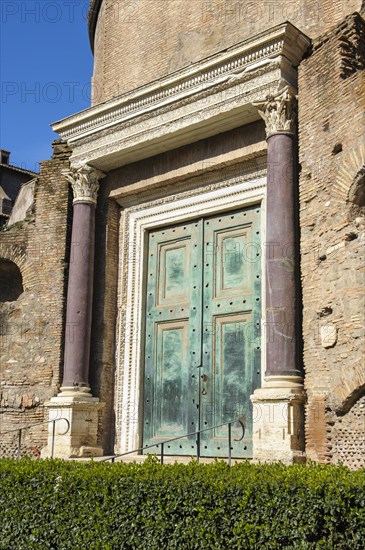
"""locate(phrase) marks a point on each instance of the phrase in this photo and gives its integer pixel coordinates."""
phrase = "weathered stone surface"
(75, 433)
(332, 152)
(328, 335)
(278, 428)
(23, 207)
(31, 327)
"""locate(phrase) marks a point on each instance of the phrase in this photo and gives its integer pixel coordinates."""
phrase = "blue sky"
(46, 68)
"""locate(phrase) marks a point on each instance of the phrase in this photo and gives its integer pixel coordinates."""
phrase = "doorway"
(202, 332)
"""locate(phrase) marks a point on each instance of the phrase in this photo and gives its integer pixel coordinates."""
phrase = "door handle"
(204, 378)
(241, 423)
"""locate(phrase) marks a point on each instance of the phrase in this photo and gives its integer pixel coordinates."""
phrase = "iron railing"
(197, 433)
(20, 430)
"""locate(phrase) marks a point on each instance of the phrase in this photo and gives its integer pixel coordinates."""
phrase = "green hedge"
(68, 505)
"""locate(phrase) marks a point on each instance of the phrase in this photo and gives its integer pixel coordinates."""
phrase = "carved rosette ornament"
(279, 111)
(84, 180)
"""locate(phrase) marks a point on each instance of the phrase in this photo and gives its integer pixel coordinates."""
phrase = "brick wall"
(31, 328)
(348, 436)
(138, 41)
(332, 152)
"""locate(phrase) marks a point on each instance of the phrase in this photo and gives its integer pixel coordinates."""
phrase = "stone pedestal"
(78, 438)
(278, 421)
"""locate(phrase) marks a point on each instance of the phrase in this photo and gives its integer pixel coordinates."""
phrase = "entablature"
(212, 96)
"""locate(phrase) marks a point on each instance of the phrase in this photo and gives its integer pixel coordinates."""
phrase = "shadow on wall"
(11, 281)
(357, 195)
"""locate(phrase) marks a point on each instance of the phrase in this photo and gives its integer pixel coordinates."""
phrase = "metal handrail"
(196, 433)
(20, 430)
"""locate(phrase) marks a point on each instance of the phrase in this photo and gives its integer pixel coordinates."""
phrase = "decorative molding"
(284, 44)
(84, 180)
(279, 111)
(173, 126)
(234, 192)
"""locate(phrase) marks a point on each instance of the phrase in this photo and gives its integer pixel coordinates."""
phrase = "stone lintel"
(226, 162)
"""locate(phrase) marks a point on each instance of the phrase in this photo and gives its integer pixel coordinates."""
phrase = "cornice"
(283, 43)
(93, 15)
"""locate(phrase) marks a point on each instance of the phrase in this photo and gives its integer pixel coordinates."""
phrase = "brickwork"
(31, 327)
(332, 153)
(348, 436)
(138, 41)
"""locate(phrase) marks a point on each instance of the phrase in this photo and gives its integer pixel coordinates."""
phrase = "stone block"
(278, 426)
(75, 428)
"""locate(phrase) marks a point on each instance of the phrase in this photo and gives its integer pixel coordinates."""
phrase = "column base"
(278, 420)
(78, 437)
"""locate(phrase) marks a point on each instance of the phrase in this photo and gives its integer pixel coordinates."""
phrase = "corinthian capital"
(279, 111)
(84, 180)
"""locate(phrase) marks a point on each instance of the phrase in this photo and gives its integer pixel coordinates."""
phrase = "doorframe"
(136, 221)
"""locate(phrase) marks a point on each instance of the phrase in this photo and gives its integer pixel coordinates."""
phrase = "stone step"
(168, 459)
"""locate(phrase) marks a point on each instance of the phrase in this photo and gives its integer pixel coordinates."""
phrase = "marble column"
(75, 402)
(278, 431)
(85, 185)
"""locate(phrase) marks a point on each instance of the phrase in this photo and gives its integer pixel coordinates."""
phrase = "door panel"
(173, 272)
(170, 378)
(231, 325)
(232, 275)
(173, 336)
(203, 316)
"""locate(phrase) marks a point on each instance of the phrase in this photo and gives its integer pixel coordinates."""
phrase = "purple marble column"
(85, 185)
(279, 113)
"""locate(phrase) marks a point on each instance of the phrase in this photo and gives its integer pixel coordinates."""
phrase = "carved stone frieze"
(279, 111)
(84, 181)
(128, 137)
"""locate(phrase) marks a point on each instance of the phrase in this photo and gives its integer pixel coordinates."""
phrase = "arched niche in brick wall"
(11, 281)
(356, 196)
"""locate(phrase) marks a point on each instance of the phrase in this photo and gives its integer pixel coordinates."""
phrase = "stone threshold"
(168, 459)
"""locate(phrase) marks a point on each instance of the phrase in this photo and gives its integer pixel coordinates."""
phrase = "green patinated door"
(202, 352)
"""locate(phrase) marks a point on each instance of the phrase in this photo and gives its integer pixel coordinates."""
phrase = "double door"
(202, 333)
